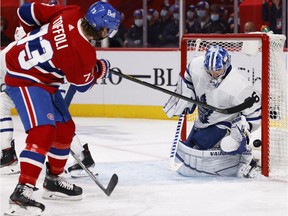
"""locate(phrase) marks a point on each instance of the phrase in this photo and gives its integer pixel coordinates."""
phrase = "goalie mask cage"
(260, 58)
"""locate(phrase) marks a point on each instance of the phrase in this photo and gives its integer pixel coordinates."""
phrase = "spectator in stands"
(134, 37)
(272, 15)
(165, 19)
(5, 40)
(170, 36)
(249, 27)
(231, 24)
(223, 14)
(119, 38)
(203, 13)
(215, 24)
(192, 24)
(153, 28)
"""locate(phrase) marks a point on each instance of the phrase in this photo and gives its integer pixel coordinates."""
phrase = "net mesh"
(246, 54)
(278, 127)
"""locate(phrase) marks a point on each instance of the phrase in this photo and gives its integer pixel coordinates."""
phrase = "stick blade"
(112, 184)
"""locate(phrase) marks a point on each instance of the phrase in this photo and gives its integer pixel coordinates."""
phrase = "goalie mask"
(217, 62)
(102, 15)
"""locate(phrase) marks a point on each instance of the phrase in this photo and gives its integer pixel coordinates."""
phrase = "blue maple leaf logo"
(203, 112)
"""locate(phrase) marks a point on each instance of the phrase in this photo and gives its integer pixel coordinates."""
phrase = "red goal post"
(260, 58)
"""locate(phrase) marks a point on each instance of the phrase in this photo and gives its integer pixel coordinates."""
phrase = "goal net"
(260, 59)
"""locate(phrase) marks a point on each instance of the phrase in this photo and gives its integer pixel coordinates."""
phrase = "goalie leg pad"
(211, 162)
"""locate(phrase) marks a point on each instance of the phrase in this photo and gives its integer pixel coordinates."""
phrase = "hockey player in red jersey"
(9, 160)
(56, 46)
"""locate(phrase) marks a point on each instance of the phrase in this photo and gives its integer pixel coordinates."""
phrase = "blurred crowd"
(163, 25)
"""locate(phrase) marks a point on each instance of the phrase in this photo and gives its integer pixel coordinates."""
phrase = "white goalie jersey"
(232, 91)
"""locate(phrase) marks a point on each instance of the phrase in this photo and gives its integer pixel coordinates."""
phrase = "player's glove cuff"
(102, 68)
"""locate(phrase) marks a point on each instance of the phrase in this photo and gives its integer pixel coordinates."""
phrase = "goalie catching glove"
(102, 68)
(236, 142)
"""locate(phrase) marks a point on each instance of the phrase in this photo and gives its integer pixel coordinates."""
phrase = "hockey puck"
(257, 143)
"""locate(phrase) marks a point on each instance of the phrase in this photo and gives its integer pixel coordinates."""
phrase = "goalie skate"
(22, 202)
(76, 170)
(9, 161)
(252, 170)
(57, 188)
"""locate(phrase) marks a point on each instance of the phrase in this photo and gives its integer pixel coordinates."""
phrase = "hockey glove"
(19, 33)
(175, 106)
(236, 142)
(102, 68)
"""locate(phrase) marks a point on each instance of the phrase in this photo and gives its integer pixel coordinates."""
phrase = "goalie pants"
(207, 138)
(50, 129)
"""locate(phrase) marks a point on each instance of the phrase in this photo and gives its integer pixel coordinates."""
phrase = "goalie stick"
(172, 165)
(112, 183)
(246, 104)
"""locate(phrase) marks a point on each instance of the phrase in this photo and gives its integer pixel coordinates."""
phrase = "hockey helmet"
(217, 62)
(103, 15)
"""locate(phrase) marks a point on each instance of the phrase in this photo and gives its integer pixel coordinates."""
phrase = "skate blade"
(16, 210)
(10, 170)
(51, 195)
(80, 174)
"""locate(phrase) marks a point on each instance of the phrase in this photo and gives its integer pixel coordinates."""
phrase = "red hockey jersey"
(54, 47)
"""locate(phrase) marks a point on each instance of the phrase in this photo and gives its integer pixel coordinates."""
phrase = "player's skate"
(57, 188)
(252, 170)
(22, 202)
(86, 158)
(9, 161)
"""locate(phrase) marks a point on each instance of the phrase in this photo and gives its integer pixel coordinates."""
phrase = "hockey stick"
(246, 104)
(172, 165)
(70, 94)
(112, 183)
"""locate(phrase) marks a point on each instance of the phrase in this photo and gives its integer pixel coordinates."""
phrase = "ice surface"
(138, 150)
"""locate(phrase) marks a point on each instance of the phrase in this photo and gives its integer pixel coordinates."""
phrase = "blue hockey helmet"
(103, 15)
(217, 62)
